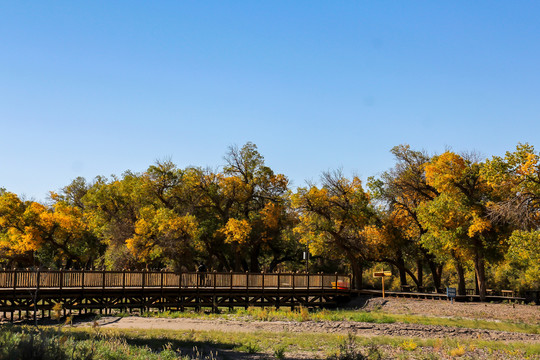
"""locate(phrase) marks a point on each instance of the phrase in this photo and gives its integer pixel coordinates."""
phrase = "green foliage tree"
(516, 179)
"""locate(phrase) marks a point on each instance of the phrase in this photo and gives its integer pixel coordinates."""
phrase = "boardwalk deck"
(30, 293)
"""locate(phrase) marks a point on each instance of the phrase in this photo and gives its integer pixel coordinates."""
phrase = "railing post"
(247, 290)
(103, 292)
(278, 286)
(336, 284)
(38, 279)
(180, 280)
(307, 292)
(180, 297)
(62, 283)
(14, 292)
(124, 290)
(61, 279)
(262, 290)
(162, 270)
(214, 301)
(197, 281)
(293, 298)
(230, 292)
(322, 282)
(143, 279)
(143, 299)
(161, 300)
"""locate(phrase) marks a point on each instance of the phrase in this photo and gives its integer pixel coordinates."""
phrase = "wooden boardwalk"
(437, 296)
(29, 293)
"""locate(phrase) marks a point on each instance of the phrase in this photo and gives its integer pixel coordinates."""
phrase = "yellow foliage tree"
(161, 235)
(333, 219)
(457, 219)
(237, 231)
(58, 234)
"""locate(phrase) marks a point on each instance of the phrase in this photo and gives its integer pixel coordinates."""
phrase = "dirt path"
(342, 327)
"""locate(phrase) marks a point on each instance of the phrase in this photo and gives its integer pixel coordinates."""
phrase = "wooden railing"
(43, 279)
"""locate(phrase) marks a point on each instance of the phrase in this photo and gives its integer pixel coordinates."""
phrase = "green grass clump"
(156, 344)
(30, 343)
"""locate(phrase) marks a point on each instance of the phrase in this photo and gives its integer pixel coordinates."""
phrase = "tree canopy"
(451, 215)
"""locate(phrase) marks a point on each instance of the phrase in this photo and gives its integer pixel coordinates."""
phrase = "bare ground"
(528, 314)
(493, 312)
(340, 327)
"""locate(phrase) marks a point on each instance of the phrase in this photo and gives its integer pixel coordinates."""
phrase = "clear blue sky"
(99, 87)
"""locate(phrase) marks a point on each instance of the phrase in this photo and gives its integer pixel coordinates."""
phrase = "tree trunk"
(404, 269)
(237, 262)
(436, 272)
(479, 269)
(357, 269)
(400, 264)
(420, 272)
(461, 278)
(254, 259)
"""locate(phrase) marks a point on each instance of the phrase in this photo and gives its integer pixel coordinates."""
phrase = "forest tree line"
(428, 217)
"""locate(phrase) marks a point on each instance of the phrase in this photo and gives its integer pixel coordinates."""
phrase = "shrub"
(409, 345)
(459, 351)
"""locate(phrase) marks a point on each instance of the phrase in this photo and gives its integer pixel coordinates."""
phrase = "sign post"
(451, 293)
(382, 274)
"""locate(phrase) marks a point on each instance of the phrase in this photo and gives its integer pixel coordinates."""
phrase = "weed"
(279, 352)
(57, 311)
(198, 355)
(348, 349)
(249, 347)
(459, 351)
(374, 352)
(304, 314)
(409, 345)
(437, 345)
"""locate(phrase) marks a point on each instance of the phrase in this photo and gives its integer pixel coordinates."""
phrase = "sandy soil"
(504, 312)
(342, 327)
